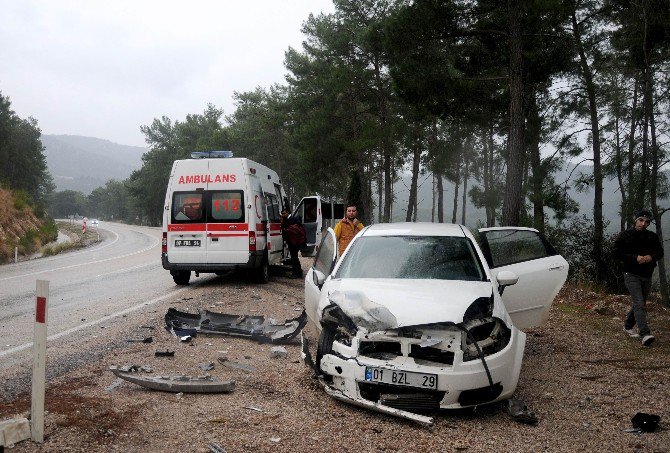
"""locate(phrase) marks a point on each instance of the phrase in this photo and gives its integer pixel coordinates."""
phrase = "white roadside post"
(39, 361)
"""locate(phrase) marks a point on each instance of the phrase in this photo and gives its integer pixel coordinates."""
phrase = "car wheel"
(263, 272)
(325, 346)
(181, 277)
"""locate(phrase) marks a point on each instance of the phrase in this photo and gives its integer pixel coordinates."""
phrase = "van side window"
(187, 207)
(310, 210)
(273, 208)
(279, 197)
(226, 206)
(325, 210)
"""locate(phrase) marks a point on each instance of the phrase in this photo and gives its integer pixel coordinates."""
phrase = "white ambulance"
(221, 213)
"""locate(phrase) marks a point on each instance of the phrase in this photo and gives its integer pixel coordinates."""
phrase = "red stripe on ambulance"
(187, 227)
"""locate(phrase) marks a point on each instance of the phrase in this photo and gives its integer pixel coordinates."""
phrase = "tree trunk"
(440, 199)
(466, 165)
(649, 114)
(457, 181)
(515, 149)
(663, 279)
(490, 194)
(587, 79)
(433, 199)
(368, 205)
(629, 207)
(533, 126)
(380, 197)
(412, 203)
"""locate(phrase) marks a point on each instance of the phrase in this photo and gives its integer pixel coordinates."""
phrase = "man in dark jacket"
(638, 249)
(293, 233)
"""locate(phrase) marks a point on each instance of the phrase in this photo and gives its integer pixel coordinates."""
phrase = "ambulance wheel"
(263, 272)
(181, 277)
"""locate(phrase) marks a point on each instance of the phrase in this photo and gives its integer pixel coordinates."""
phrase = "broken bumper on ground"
(257, 328)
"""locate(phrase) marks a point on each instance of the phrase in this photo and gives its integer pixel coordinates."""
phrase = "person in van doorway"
(347, 228)
(294, 234)
(639, 249)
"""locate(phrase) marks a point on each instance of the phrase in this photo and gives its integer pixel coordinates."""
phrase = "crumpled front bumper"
(344, 379)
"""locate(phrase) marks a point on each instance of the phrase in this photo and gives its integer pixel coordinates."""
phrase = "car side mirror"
(318, 278)
(506, 278)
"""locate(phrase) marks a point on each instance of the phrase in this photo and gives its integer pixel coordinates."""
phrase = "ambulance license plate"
(187, 243)
(396, 377)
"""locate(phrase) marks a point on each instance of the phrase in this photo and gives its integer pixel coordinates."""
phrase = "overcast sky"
(104, 68)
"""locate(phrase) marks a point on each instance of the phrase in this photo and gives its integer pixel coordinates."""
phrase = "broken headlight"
(480, 308)
(490, 334)
(343, 328)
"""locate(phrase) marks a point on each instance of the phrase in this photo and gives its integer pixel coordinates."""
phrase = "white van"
(317, 215)
(221, 213)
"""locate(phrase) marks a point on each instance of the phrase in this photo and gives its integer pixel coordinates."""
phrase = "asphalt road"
(88, 288)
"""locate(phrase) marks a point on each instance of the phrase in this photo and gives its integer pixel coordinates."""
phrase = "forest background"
(492, 96)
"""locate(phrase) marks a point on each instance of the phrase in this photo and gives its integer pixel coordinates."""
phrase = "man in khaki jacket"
(347, 228)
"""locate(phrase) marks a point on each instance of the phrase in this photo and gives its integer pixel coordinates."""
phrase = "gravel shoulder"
(582, 376)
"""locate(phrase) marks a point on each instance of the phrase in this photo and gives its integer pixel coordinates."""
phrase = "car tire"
(181, 277)
(324, 347)
(263, 272)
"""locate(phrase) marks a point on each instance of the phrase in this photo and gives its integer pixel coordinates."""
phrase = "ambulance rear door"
(186, 228)
(227, 227)
(274, 233)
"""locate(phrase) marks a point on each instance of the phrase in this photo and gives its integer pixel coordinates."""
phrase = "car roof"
(414, 229)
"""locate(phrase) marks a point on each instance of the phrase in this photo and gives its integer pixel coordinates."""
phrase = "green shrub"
(21, 200)
(574, 240)
(48, 232)
(29, 241)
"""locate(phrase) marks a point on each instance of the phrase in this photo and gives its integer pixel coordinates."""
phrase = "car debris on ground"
(257, 328)
(235, 365)
(278, 352)
(519, 411)
(177, 383)
(643, 422)
(141, 340)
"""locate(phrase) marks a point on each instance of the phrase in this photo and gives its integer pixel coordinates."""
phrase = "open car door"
(541, 271)
(320, 270)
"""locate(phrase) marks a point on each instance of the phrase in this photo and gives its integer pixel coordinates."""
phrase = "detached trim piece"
(177, 384)
(255, 327)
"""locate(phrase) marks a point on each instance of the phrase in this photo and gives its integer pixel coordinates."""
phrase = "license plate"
(187, 243)
(396, 377)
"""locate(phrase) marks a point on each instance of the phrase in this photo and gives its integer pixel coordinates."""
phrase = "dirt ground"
(582, 376)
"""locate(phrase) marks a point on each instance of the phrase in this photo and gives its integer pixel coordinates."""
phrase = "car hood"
(410, 302)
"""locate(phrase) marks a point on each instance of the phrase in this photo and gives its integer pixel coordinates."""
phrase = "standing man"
(293, 233)
(638, 249)
(347, 228)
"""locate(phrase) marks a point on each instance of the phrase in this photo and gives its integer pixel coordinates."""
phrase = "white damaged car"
(413, 317)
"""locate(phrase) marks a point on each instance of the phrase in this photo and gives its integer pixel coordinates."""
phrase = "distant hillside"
(85, 163)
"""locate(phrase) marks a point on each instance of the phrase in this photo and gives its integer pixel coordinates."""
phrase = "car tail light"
(252, 241)
(164, 243)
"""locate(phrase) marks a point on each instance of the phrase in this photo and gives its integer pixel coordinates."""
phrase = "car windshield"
(412, 257)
